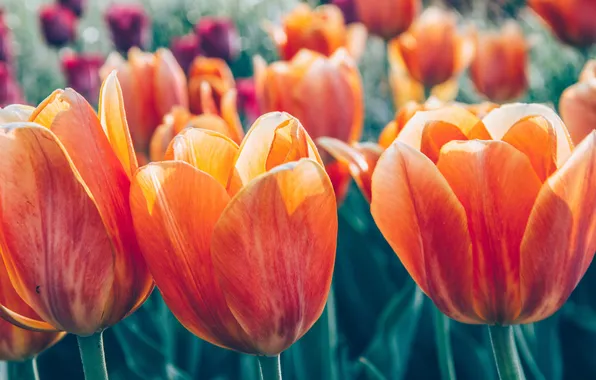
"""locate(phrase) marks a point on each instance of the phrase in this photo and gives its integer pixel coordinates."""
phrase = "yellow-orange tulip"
(314, 88)
(17, 343)
(321, 29)
(431, 52)
(387, 18)
(493, 218)
(571, 20)
(578, 104)
(498, 69)
(240, 240)
(151, 85)
(216, 73)
(66, 232)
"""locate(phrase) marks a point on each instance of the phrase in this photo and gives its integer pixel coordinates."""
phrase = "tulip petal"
(500, 120)
(229, 113)
(108, 184)
(170, 83)
(469, 125)
(560, 239)
(425, 224)
(113, 120)
(14, 113)
(259, 143)
(436, 134)
(66, 280)
(274, 250)
(161, 139)
(356, 36)
(536, 138)
(208, 151)
(175, 208)
(497, 186)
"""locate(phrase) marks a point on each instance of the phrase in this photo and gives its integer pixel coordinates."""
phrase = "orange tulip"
(571, 20)
(492, 218)
(430, 55)
(151, 85)
(321, 29)
(313, 88)
(387, 18)
(498, 69)
(240, 240)
(578, 104)
(361, 158)
(217, 74)
(17, 343)
(73, 256)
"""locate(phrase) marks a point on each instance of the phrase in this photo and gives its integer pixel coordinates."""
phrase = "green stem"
(442, 337)
(506, 356)
(25, 370)
(270, 367)
(428, 92)
(93, 357)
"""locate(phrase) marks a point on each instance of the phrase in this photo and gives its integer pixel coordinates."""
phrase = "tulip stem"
(444, 352)
(22, 370)
(270, 367)
(93, 357)
(506, 356)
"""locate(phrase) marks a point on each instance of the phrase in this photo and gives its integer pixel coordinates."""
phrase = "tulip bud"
(76, 6)
(218, 38)
(387, 18)
(129, 26)
(572, 21)
(10, 92)
(82, 73)
(58, 25)
(498, 69)
(185, 49)
(578, 104)
(5, 40)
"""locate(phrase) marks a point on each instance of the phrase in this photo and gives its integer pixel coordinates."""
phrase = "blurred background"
(377, 324)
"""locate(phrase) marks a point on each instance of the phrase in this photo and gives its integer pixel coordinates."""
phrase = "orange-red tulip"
(492, 218)
(571, 20)
(73, 255)
(387, 18)
(315, 88)
(216, 73)
(17, 343)
(321, 29)
(240, 240)
(151, 85)
(498, 69)
(578, 104)
(431, 53)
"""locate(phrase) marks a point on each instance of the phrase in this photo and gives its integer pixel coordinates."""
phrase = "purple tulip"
(5, 40)
(348, 8)
(218, 38)
(76, 6)
(247, 99)
(58, 25)
(129, 26)
(185, 49)
(82, 73)
(10, 92)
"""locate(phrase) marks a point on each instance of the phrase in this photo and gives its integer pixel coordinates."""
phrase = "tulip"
(216, 73)
(74, 260)
(348, 10)
(429, 54)
(325, 94)
(498, 69)
(129, 26)
(10, 91)
(185, 49)
(58, 25)
(321, 29)
(387, 18)
(240, 240)
(5, 40)
(578, 104)
(151, 85)
(571, 20)
(76, 6)
(82, 73)
(247, 99)
(218, 38)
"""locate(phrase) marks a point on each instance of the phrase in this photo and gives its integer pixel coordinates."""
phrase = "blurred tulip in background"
(571, 20)
(5, 40)
(218, 38)
(129, 26)
(58, 25)
(387, 18)
(578, 104)
(82, 73)
(76, 6)
(10, 90)
(185, 48)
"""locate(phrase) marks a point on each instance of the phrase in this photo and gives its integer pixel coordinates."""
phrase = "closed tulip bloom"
(314, 88)
(572, 21)
(82, 73)
(129, 26)
(218, 38)
(578, 104)
(152, 84)
(321, 29)
(185, 48)
(492, 218)
(240, 240)
(216, 73)
(387, 18)
(76, 6)
(498, 69)
(432, 50)
(75, 259)
(58, 25)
